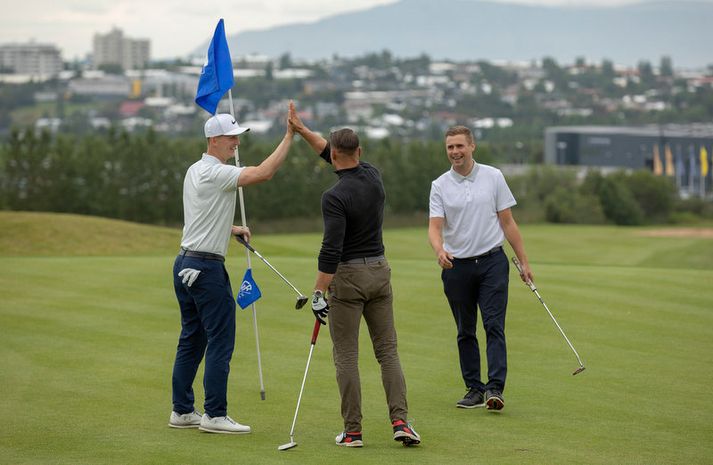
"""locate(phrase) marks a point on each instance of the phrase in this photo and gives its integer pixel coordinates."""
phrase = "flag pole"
(247, 255)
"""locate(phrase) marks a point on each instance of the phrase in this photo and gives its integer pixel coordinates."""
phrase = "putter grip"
(315, 331)
(516, 262)
(530, 284)
(242, 241)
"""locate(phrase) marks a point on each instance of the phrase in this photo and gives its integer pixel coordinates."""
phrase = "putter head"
(301, 301)
(287, 446)
(578, 370)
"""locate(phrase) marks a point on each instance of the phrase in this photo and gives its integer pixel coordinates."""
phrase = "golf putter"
(532, 287)
(292, 443)
(301, 298)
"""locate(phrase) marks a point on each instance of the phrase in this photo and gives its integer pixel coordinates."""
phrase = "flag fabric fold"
(658, 168)
(249, 292)
(670, 170)
(217, 74)
(704, 161)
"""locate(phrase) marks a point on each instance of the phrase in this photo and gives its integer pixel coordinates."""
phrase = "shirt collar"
(211, 159)
(457, 177)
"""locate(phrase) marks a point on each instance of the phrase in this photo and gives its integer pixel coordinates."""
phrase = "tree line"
(139, 177)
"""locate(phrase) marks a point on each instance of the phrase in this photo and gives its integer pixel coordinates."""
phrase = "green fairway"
(89, 334)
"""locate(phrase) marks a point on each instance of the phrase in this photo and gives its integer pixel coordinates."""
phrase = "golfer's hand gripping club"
(516, 262)
(320, 307)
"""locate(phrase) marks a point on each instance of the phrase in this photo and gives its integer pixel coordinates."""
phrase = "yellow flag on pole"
(670, 171)
(704, 162)
(658, 169)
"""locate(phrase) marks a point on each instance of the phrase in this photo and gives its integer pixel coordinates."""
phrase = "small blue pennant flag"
(217, 74)
(249, 292)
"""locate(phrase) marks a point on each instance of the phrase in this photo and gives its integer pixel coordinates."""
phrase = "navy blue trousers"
(207, 329)
(474, 284)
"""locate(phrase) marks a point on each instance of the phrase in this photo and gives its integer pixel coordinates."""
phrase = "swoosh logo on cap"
(233, 122)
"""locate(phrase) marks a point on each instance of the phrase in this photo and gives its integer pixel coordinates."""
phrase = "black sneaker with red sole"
(404, 433)
(494, 400)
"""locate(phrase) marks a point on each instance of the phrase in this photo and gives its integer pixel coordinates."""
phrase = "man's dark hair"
(344, 140)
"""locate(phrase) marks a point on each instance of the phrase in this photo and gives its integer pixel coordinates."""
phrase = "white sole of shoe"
(182, 426)
(351, 444)
(220, 431)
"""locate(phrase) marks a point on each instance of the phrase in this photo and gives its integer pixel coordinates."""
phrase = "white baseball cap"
(223, 125)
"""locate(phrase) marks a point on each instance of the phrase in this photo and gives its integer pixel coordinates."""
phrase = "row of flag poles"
(698, 166)
(216, 79)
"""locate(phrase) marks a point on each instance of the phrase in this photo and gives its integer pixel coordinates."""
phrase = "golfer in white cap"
(200, 280)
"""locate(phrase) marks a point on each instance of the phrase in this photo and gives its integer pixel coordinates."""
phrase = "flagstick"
(247, 254)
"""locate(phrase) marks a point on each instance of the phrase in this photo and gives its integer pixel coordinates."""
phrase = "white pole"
(247, 255)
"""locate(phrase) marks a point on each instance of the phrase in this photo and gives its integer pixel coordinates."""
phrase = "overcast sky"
(175, 27)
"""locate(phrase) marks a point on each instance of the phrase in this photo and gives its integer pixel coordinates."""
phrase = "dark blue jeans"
(207, 328)
(483, 284)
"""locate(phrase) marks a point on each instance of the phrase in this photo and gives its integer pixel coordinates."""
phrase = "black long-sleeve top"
(353, 213)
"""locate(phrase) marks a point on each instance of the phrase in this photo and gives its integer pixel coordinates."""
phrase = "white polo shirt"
(209, 205)
(470, 206)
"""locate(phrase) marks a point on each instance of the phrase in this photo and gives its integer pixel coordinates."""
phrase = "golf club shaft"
(532, 287)
(315, 333)
(560, 328)
(250, 248)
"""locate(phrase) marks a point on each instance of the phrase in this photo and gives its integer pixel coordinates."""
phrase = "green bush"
(571, 206)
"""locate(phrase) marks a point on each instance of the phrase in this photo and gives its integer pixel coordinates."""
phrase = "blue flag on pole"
(217, 74)
(249, 292)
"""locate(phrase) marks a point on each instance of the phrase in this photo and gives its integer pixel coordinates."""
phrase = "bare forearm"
(314, 140)
(323, 281)
(267, 169)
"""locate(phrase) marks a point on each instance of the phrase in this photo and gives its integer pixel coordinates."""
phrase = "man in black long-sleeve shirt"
(353, 268)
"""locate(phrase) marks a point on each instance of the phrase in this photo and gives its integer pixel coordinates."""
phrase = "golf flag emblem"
(249, 292)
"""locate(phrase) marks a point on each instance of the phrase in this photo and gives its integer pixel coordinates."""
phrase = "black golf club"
(292, 443)
(534, 289)
(301, 298)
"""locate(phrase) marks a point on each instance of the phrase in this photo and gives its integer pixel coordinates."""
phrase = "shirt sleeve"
(226, 177)
(435, 202)
(335, 225)
(503, 197)
(326, 154)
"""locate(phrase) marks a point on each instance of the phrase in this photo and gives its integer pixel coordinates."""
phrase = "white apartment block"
(114, 48)
(31, 59)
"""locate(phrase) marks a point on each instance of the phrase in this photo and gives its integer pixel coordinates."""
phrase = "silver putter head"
(301, 301)
(578, 370)
(287, 446)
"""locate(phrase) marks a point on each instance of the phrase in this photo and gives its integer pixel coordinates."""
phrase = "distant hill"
(61, 234)
(473, 29)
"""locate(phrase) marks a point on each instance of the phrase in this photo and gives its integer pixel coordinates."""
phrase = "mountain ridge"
(481, 29)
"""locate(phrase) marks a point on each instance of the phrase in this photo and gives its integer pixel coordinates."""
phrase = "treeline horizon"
(139, 177)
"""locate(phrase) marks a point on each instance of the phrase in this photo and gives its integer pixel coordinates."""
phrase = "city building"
(682, 152)
(38, 61)
(113, 48)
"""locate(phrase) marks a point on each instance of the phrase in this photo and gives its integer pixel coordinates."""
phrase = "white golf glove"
(189, 275)
(320, 307)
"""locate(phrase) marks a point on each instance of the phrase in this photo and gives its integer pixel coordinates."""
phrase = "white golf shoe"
(224, 425)
(187, 420)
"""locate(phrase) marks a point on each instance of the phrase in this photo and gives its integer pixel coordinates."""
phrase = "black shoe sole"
(470, 406)
(407, 440)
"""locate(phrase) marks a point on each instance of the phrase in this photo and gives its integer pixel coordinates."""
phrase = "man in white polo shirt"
(469, 219)
(200, 280)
